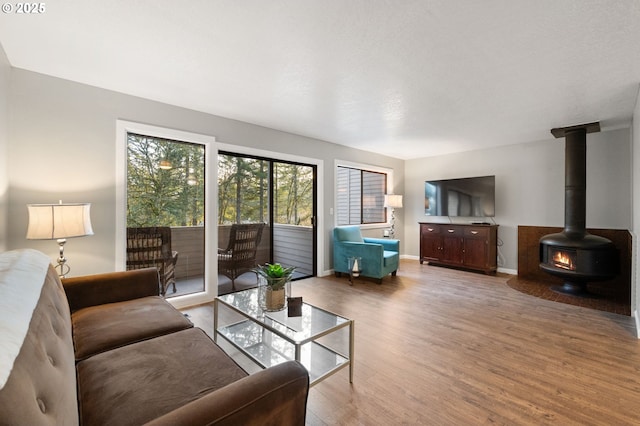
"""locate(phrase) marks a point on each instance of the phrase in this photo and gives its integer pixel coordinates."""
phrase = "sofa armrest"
(388, 244)
(111, 287)
(275, 396)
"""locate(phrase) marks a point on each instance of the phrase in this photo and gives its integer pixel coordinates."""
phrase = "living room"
(58, 141)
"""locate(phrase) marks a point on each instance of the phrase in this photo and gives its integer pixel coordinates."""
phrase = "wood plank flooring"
(435, 346)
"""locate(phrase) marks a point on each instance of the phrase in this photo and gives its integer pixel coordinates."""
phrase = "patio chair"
(240, 255)
(151, 247)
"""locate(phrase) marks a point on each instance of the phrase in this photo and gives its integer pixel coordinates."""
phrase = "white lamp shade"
(393, 201)
(57, 221)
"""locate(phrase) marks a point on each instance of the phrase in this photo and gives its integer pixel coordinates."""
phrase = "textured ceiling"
(403, 78)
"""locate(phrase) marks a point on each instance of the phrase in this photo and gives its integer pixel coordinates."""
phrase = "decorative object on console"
(59, 222)
(393, 201)
(275, 284)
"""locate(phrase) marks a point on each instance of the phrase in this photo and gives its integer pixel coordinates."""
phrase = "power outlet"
(385, 233)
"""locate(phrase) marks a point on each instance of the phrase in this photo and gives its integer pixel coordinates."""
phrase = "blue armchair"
(380, 256)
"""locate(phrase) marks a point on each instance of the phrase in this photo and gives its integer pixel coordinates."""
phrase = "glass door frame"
(211, 233)
(319, 234)
(271, 191)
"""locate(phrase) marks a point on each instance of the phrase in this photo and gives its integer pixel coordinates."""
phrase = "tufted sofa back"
(41, 388)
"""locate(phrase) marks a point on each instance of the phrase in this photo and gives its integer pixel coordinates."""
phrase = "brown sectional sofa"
(107, 349)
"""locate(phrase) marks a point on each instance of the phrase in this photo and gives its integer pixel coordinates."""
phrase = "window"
(282, 194)
(165, 182)
(161, 180)
(360, 196)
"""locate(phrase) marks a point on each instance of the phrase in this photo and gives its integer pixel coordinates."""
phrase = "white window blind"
(360, 196)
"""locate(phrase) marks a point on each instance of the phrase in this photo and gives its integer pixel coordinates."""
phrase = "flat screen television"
(468, 197)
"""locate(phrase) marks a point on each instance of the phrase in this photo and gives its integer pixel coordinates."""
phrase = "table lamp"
(393, 202)
(59, 222)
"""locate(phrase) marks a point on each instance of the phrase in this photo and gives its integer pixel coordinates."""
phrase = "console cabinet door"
(478, 244)
(475, 253)
(430, 242)
(452, 245)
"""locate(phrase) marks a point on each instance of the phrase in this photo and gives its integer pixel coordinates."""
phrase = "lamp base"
(62, 261)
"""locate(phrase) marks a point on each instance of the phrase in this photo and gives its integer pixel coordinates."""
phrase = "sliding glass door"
(293, 208)
(279, 194)
(166, 211)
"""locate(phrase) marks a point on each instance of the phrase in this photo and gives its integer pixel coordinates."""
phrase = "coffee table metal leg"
(215, 320)
(297, 353)
(351, 349)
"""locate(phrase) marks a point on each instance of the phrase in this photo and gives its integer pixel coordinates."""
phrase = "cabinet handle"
(430, 229)
(474, 232)
(451, 230)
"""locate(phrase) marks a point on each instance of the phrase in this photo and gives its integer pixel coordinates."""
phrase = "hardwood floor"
(436, 346)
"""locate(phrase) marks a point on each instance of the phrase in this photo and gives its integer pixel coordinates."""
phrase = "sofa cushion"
(100, 328)
(41, 388)
(139, 382)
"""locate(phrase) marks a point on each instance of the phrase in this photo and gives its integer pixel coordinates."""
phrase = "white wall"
(5, 71)
(529, 187)
(62, 146)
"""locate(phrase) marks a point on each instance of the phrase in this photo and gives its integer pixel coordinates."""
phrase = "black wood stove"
(573, 254)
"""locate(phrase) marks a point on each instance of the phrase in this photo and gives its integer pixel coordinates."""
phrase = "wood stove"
(573, 254)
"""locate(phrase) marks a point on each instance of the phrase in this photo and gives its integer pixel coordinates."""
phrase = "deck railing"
(292, 246)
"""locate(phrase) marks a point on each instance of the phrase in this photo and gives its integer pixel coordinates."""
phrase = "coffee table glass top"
(313, 323)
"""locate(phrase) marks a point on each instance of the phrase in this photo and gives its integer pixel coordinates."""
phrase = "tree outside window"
(243, 191)
(165, 182)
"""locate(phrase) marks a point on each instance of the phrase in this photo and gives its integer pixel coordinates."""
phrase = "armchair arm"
(388, 244)
(110, 287)
(275, 396)
(372, 255)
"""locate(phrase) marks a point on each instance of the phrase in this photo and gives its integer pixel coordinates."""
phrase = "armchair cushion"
(348, 233)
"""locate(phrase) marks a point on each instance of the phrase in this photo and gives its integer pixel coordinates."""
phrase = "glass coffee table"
(270, 338)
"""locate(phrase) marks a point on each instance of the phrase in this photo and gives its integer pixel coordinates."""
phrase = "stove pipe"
(575, 187)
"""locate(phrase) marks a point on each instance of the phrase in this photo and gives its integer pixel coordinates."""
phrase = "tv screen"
(469, 197)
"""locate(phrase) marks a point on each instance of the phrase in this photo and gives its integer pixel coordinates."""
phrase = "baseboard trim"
(410, 257)
(508, 271)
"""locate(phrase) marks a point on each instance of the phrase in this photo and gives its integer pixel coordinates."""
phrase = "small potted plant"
(275, 280)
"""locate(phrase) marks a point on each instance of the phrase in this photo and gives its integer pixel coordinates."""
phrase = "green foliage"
(176, 196)
(158, 197)
(275, 275)
(243, 191)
